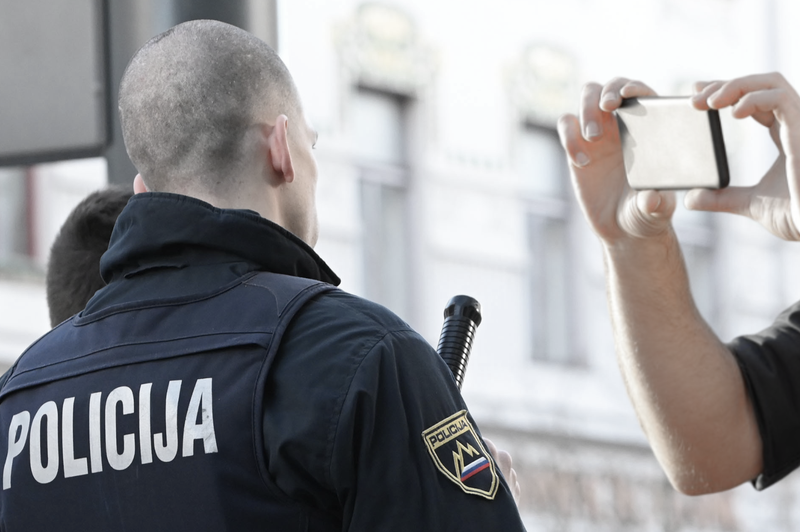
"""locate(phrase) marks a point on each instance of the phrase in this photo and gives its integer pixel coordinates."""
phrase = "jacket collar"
(158, 229)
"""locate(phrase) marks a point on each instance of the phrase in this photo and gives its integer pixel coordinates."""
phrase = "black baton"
(461, 318)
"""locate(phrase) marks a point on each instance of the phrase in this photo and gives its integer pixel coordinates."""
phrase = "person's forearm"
(685, 385)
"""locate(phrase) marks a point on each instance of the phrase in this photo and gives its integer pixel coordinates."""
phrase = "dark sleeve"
(406, 454)
(770, 364)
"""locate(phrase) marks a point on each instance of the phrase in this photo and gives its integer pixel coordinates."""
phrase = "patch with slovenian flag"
(458, 452)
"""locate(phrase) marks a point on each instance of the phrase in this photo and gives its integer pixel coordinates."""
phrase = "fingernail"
(581, 159)
(609, 97)
(592, 130)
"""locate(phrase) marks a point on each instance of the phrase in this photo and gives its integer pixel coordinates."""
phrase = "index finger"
(704, 89)
(619, 88)
(734, 90)
(591, 116)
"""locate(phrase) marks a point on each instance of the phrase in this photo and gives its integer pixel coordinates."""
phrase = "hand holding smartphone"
(668, 144)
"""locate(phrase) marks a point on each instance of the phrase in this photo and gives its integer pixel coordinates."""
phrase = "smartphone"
(668, 144)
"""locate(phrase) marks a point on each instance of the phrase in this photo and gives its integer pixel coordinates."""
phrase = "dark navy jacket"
(196, 392)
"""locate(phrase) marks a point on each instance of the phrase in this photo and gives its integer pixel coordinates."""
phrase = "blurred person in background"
(715, 414)
(73, 269)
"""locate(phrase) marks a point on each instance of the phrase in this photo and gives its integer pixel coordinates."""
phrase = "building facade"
(441, 173)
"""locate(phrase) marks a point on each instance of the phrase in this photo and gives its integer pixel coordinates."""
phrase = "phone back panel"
(668, 144)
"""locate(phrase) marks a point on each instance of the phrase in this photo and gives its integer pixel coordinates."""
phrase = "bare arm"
(685, 385)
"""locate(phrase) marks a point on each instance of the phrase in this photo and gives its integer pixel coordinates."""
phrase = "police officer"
(220, 381)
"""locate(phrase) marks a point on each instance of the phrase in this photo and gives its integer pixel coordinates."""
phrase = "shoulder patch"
(458, 452)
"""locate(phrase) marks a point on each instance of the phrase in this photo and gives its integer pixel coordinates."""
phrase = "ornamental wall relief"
(543, 85)
(380, 48)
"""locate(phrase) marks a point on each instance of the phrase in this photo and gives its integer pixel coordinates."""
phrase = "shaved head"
(189, 101)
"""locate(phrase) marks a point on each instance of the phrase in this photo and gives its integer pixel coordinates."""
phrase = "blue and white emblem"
(459, 453)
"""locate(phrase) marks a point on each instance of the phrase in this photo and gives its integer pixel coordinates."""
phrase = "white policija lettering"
(44, 453)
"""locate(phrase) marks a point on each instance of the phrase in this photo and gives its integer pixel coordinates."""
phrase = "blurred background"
(441, 173)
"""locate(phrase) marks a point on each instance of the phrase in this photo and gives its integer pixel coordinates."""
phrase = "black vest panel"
(149, 416)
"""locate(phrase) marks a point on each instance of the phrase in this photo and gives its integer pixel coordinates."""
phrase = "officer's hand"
(503, 460)
(775, 201)
(592, 143)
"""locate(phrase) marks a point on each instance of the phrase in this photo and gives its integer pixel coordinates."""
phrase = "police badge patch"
(458, 452)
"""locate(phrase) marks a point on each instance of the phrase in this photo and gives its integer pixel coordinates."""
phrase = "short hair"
(73, 270)
(190, 95)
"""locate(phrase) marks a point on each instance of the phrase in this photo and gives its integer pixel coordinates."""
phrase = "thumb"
(647, 213)
(656, 204)
(491, 446)
(733, 200)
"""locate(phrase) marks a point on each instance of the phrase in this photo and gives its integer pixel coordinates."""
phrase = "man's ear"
(279, 157)
(138, 184)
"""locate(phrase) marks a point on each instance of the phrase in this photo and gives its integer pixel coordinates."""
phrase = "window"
(544, 176)
(541, 163)
(380, 149)
(696, 235)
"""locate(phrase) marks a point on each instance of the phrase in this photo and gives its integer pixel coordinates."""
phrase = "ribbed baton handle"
(461, 318)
